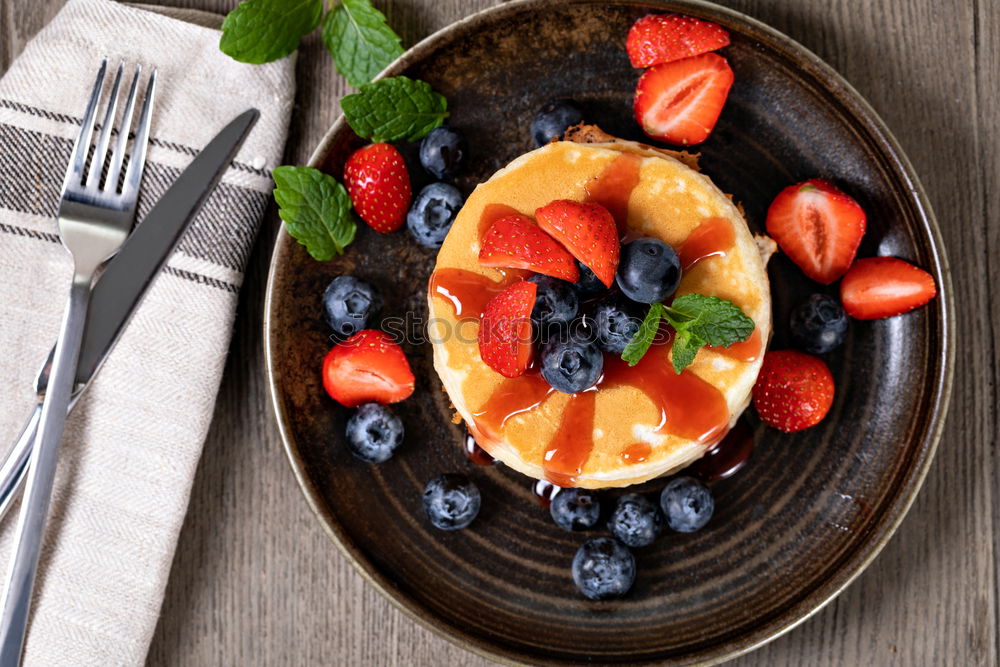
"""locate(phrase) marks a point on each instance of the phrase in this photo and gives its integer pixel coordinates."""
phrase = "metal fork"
(94, 220)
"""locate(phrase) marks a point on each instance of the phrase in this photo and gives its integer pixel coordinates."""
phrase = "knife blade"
(127, 277)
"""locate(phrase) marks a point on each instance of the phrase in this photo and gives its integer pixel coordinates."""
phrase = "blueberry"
(603, 568)
(649, 270)
(441, 152)
(589, 285)
(349, 304)
(451, 501)
(616, 320)
(432, 212)
(555, 302)
(575, 509)
(687, 504)
(374, 433)
(571, 365)
(818, 324)
(635, 521)
(553, 119)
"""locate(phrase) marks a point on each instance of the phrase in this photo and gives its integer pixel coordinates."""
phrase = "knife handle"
(15, 464)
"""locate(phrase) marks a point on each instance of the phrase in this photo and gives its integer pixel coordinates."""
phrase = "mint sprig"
(698, 320)
(394, 109)
(259, 31)
(359, 39)
(315, 209)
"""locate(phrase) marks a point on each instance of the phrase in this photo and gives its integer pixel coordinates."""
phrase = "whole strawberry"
(379, 186)
(793, 391)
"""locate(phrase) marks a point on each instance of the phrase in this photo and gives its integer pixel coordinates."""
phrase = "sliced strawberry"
(662, 38)
(368, 366)
(587, 230)
(679, 102)
(379, 186)
(818, 227)
(885, 286)
(794, 390)
(505, 330)
(516, 242)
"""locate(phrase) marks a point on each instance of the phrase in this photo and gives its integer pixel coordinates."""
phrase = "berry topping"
(432, 213)
(505, 330)
(687, 504)
(515, 242)
(374, 433)
(649, 271)
(885, 286)
(441, 152)
(451, 501)
(587, 230)
(818, 227)
(663, 38)
(603, 569)
(572, 365)
(636, 522)
(589, 285)
(553, 119)
(575, 509)
(818, 324)
(379, 186)
(680, 102)
(368, 366)
(349, 303)
(794, 390)
(616, 322)
(555, 302)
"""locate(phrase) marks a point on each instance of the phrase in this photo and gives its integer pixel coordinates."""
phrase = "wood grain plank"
(256, 581)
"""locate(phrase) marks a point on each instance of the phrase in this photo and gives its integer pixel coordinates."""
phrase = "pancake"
(640, 422)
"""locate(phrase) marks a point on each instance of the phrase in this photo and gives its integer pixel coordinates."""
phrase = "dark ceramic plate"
(791, 529)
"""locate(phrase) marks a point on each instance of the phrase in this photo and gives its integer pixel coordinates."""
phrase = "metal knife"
(124, 283)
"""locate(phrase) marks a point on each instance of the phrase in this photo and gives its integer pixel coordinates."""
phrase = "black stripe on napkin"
(72, 120)
(32, 165)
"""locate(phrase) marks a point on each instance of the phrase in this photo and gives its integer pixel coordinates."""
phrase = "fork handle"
(15, 464)
(41, 473)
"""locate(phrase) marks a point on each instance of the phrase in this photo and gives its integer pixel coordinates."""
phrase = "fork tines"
(78, 178)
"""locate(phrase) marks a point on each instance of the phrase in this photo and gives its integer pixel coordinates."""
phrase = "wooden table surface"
(255, 579)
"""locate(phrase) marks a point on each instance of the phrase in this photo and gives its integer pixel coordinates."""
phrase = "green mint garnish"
(259, 31)
(360, 41)
(394, 109)
(315, 209)
(698, 320)
(637, 347)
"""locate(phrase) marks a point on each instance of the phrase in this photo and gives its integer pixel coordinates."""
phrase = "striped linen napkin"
(131, 446)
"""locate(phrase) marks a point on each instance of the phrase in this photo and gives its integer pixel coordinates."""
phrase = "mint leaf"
(360, 41)
(643, 338)
(259, 31)
(316, 210)
(394, 109)
(716, 321)
(684, 349)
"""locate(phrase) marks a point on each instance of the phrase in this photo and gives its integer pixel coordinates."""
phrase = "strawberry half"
(588, 231)
(662, 38)
(368, 366)
(505, 330)
(379, 186)
(885, 286)
(680, 102)
(793, 391)
(516, 242)
(818, 227)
